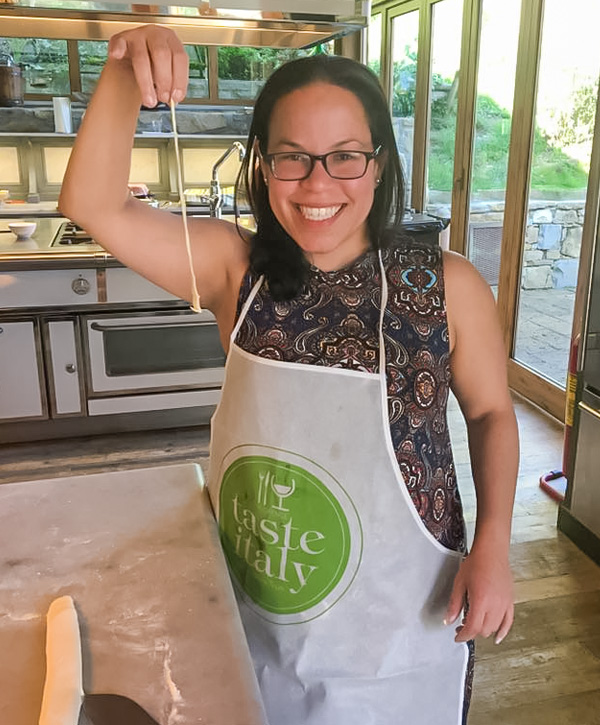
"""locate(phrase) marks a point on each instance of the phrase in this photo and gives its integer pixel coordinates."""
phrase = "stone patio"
(544, 331)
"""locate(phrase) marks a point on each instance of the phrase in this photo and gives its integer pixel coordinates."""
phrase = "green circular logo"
(291, 535)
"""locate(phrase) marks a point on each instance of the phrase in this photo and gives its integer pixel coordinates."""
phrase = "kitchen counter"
(37, 252)
(139, 553)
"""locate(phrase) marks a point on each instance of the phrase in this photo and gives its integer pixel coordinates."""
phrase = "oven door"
(141, 352)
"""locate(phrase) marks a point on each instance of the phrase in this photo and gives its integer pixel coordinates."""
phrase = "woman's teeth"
(320, 213)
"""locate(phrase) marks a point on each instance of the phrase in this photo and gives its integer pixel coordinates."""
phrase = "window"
(243, 71)
(44, 62)
(92, 57)
(198, 83)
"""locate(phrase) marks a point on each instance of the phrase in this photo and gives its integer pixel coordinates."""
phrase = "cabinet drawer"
(125, 285)
(42, 288)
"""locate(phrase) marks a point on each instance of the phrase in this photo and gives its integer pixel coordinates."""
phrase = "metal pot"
(11, 85)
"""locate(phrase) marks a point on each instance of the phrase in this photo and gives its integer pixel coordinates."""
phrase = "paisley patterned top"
(334, 322)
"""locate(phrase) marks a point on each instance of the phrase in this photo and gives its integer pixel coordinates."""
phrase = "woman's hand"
(484, 580)
(158, 59)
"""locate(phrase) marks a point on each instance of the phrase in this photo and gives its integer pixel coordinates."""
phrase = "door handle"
(150, 326)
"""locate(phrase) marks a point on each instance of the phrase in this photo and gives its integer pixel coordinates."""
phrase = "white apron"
(342, 590)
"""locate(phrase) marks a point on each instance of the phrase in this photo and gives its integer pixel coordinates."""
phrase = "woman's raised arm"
(145, 65)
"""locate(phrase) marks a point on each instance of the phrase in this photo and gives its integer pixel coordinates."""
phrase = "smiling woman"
(331, 470)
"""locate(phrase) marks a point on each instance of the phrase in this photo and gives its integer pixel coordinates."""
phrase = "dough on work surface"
(63, 689)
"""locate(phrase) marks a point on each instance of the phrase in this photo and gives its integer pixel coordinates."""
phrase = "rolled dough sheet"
(139, 553)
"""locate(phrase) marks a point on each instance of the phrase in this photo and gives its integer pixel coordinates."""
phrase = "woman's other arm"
(144, 65)
(479, 381)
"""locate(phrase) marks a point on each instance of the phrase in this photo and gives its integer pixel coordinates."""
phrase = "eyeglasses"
(298, 165)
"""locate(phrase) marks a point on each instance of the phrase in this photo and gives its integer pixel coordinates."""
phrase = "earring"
(265, 180)
(377, 182)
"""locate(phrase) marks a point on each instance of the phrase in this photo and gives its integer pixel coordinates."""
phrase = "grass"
(553, 170)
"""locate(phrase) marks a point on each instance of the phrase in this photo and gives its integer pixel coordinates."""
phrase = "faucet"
(215, 199)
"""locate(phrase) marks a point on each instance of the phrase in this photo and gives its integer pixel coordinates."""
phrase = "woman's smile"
(319, 213)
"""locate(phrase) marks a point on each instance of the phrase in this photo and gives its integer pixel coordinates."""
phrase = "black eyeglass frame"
(369, 156)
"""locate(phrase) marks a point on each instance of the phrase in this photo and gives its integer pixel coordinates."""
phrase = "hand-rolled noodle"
(195, 296)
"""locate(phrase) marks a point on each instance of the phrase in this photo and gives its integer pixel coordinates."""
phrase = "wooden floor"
(547, 671)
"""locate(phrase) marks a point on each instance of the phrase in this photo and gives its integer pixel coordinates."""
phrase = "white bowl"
(23, 230)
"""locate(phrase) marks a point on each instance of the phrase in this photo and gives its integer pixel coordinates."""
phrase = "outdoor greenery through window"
(374, 43)
(92, 57)
(445, 65)
(198, 84)
(243, 71)
(554, 169)
(405, 41)
(564, 132)
(44, 62)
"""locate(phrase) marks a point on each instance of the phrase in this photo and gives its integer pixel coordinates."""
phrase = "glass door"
(493, 123)
(404, 52)
(516, 193)
(563, 136)
(444, 79)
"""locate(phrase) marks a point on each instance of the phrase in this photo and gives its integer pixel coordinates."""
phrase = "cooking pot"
(11, 85)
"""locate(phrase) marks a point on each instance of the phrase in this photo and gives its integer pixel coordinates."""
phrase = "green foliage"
(404, 84)
(552, 168)
(576, 125)
(249, 64)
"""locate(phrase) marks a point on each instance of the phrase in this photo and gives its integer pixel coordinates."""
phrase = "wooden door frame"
(465, 125)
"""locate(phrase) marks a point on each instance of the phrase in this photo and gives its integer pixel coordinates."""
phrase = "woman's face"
(326, 217)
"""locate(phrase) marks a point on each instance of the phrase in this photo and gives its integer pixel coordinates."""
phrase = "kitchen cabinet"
(65, 386)
(21, 377)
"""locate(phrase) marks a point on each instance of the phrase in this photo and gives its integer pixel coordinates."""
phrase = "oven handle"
(150, 326)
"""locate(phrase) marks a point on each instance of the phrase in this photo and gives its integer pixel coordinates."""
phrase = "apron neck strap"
(246, 307)
(382, 308)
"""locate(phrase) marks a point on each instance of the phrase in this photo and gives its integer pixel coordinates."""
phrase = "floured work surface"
(139, 553)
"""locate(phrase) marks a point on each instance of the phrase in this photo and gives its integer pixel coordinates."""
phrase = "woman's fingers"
(158, 60)
(472, 625)
(507, 623)
(482, 623)
(181, 66)
(117, 47)
(161, 58)
(457, 600)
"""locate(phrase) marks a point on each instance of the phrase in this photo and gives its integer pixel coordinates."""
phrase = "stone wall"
(202, 120)
(552, 242)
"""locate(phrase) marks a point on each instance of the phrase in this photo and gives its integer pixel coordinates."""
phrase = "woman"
(331, 472)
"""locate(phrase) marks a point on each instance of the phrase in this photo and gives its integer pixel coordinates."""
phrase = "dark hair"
(273, 252)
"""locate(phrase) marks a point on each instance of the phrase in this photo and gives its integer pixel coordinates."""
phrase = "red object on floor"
(554, 484)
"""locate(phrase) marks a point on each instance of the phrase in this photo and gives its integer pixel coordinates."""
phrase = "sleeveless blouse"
(334, 321)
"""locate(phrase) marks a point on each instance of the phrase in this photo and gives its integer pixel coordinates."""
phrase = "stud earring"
(377, 182)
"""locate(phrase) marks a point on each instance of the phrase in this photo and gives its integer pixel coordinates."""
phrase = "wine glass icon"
(282, 490)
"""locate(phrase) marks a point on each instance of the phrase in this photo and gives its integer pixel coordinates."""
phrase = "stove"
(70, 234)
